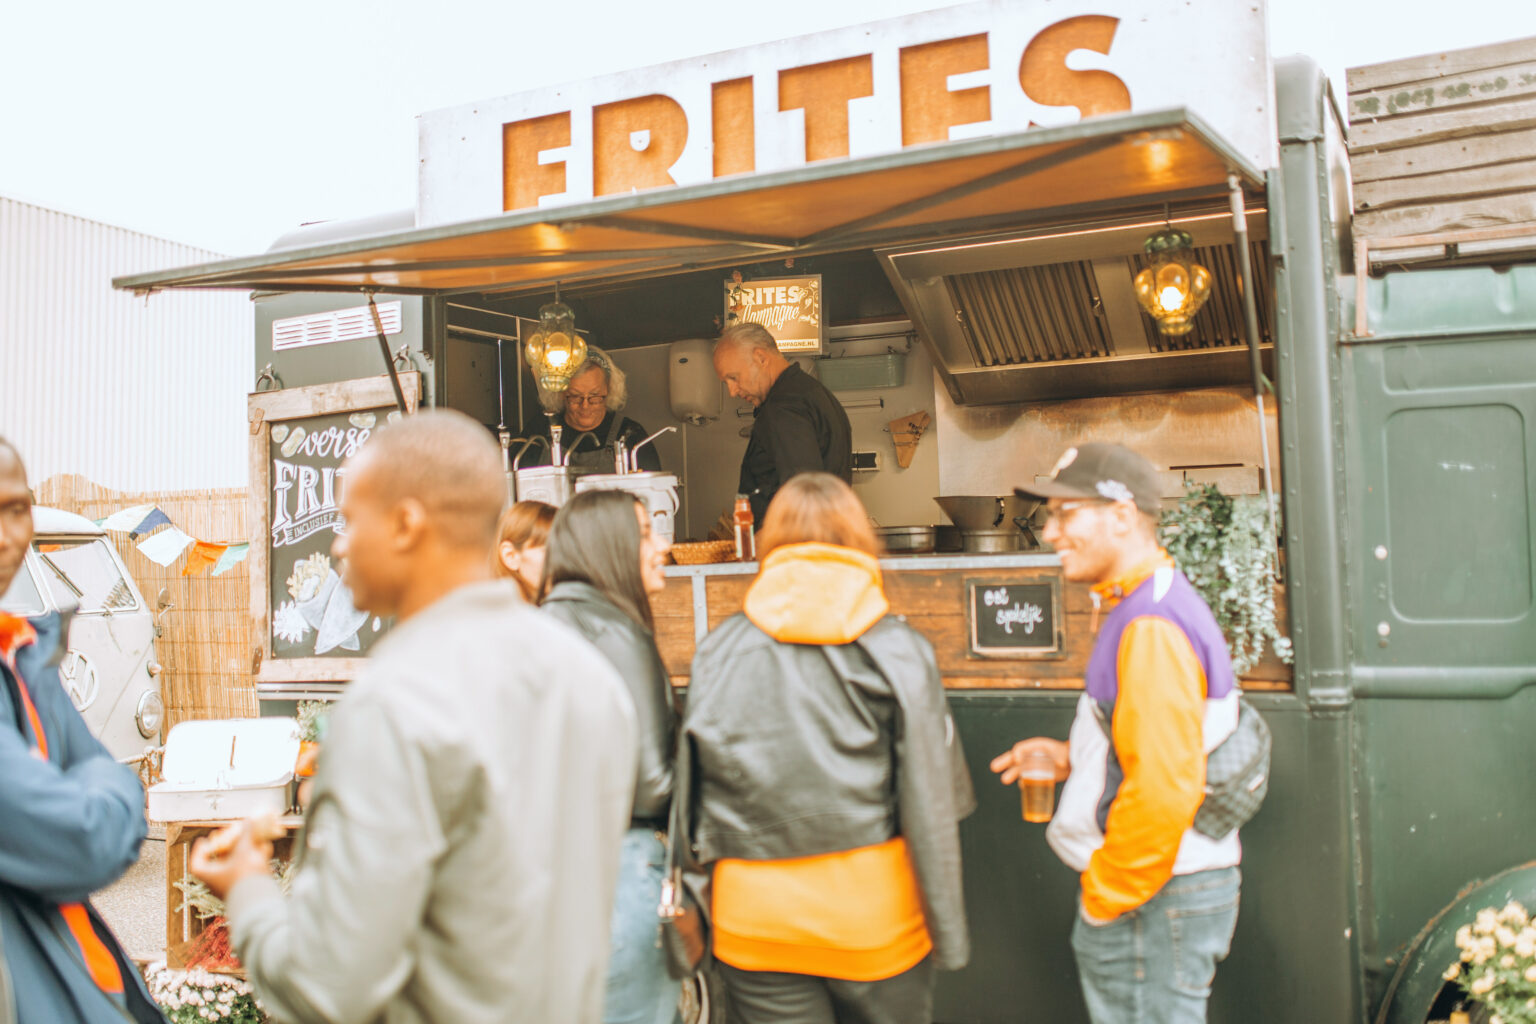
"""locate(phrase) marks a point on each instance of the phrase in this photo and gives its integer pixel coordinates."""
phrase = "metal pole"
(1251, 328)
(389, 360)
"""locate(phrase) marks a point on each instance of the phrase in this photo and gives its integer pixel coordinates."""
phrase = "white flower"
(1487, 921)
(288, 623)
(1525, 947)
(1530, 973)
(1464, 936)
(1504, 935)
(1507, 961)
(1514, 913)
(1482, 984)
(1452, 972)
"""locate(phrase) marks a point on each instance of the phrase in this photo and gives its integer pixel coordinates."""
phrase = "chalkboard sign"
(306, 625)
(1014, 618)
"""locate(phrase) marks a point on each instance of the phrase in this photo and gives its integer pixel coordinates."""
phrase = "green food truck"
(950, 216)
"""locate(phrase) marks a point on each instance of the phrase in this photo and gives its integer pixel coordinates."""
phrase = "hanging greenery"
(1222, 544)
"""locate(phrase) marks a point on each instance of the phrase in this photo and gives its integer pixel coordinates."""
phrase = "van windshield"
(22, 598)
(84, 573)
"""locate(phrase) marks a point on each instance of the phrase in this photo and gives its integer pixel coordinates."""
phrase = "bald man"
(798, 426)
(462, 845)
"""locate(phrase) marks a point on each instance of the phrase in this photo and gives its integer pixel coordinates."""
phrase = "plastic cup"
(1037, 786)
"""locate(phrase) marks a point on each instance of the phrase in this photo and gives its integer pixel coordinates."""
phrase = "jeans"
(638, 988)
(767, 997)
(1155, 964)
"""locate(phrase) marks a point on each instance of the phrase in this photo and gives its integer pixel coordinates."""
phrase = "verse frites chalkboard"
(312, 610)
(1014, 618)
(305, 624)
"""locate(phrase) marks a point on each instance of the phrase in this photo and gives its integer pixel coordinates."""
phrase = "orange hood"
(816, 594)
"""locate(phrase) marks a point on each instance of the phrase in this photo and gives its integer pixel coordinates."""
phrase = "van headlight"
(150, 714)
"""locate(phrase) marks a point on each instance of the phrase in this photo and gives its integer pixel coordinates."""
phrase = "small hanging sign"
(789, 307)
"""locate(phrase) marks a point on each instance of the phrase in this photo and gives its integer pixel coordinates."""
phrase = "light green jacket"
(459, 860)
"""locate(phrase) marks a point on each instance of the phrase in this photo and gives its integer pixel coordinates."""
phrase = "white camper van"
(109, 669)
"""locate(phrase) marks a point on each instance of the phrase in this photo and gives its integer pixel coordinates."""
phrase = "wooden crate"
(182, 926)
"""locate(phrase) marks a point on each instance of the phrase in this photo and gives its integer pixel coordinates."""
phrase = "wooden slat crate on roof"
(1445, 142)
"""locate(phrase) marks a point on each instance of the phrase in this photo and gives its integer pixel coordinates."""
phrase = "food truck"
(954, 211)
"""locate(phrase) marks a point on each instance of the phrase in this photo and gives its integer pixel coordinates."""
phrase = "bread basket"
(704, 552)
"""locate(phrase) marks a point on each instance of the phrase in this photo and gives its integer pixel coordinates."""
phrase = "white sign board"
(978, 69)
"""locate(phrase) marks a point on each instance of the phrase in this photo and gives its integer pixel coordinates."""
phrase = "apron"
(595, 460)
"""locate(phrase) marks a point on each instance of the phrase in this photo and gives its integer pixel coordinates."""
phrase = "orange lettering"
(1047, 80)
(733, 123)
(928, 107)
(523, 178)
(617, 166)
(823, 92)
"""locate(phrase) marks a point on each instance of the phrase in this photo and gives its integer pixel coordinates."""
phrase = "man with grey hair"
(798, 426)
(462, 846)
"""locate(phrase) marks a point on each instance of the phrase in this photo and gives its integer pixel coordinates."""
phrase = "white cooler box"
(218, 770)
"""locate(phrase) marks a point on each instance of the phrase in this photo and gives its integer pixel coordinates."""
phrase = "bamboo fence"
(206, 643)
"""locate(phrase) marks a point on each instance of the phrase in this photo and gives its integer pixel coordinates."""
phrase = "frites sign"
(963, 72)
(789, 308)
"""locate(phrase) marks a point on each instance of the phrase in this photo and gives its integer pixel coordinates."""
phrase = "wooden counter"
(930, 590)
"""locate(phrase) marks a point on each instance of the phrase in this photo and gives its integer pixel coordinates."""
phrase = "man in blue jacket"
(73, 818)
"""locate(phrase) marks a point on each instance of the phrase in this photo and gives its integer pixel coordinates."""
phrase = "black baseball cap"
(1109, 472)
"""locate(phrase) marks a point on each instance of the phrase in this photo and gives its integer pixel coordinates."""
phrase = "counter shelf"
(930, 592)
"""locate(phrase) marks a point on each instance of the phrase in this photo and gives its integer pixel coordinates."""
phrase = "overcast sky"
(224, 125)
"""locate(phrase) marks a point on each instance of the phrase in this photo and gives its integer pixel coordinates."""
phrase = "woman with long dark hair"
(822, 783)
(602, 565)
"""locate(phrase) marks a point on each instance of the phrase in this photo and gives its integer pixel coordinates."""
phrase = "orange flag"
(201, 555)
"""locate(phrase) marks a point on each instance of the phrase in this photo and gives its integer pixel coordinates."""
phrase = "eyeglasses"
(580, 400)
(1066, 508)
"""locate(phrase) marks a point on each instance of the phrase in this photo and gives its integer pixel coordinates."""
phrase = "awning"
(1037, 176)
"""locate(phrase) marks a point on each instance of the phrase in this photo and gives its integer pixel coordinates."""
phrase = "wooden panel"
(1463, 185)
(1438, 125)
(1436, 157)
(1480, 85)
(1444, 64)
(1446, 216)
(934, 604)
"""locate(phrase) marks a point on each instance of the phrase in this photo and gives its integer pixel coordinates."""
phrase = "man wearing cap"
(1158, 900)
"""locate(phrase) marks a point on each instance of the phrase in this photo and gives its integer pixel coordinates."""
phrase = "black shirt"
(800, 428)
(591, 449)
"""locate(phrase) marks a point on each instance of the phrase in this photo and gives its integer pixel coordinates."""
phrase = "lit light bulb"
(559, 357)
(1171, 298)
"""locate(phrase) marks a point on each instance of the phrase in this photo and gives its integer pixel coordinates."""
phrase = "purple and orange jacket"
(1161, 676)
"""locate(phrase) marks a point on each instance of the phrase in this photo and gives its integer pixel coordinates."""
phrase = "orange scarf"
(16, 633)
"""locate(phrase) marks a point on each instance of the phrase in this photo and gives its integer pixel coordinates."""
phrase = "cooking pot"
(907, 540)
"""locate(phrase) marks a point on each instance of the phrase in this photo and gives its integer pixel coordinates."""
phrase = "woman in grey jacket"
(821, 782)
(603, 563)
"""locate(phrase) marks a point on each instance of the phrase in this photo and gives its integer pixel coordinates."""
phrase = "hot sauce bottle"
(746, 543)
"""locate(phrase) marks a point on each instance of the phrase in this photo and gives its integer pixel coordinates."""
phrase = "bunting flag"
(125, 519)
(166, 546)
(202, 555)
(149, 522)
(170, 543)
(232, 556)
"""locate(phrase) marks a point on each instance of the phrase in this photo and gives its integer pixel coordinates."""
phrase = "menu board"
(312, 610)
(305, 623)
(1013, 619)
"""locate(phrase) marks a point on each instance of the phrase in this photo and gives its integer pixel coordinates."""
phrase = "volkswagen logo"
(78, 674)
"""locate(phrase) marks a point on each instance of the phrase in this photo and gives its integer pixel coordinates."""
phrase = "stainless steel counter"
(941, 562)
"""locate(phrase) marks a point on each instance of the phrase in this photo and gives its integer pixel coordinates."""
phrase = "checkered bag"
(1236, 775)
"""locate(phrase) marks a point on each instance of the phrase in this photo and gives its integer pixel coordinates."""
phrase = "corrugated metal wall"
(132, 394)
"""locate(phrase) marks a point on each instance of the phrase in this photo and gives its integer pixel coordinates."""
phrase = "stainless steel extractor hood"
(1050, 313)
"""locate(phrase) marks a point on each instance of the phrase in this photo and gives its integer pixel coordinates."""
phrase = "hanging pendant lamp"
(1172, 287)
(555, 351)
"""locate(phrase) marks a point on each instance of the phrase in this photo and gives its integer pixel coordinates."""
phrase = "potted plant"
(1223, 545)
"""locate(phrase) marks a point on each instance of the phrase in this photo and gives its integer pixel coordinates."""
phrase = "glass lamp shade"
(555, 351)
(1172, 287)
